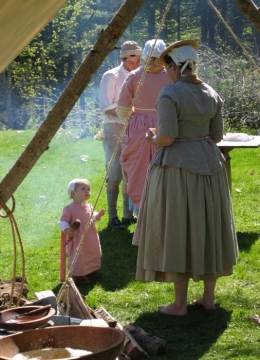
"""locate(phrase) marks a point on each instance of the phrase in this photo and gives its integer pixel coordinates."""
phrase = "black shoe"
(115, 223)
(131, 220)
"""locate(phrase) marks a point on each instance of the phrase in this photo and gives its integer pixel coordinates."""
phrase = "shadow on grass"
(246, 240)
(118, 258)
(193, 334)
(118, 263)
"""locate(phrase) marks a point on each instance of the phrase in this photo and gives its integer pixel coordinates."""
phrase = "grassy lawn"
(225, 333)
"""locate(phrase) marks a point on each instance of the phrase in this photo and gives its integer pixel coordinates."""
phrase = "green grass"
(226, 333)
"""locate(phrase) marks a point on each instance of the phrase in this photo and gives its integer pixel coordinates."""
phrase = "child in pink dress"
(88, 259)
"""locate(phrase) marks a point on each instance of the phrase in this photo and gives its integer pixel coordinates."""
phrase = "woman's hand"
(215, 140)
(149, 136)
(159, 140)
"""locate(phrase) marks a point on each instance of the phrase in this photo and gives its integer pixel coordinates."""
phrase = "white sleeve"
(94, 216)
(63, 225)
(107, 96)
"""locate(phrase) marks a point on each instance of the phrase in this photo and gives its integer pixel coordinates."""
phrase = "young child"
(89, 256)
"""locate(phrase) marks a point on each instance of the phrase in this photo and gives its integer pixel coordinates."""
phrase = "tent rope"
(233, 34)
(15, 234)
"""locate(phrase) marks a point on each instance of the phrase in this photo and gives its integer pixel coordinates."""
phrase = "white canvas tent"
(20, 22)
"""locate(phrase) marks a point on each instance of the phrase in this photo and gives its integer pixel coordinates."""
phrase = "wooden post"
(62, 256)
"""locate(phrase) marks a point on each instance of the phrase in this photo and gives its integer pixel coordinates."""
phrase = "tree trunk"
(222, 29)
(212, 21)
(256, 36)
(203, 9)
(106, 42)
(179, 20)
(250, 11)
(6, 98)
(151, 21)
(238, 23)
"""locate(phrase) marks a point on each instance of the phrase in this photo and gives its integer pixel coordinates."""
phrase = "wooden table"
(227, 146)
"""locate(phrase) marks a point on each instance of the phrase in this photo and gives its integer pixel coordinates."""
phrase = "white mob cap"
(74, 182)
(185, 54)
(159, 48)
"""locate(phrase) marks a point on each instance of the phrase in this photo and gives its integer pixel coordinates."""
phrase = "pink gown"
(136, 151)
(89, 257)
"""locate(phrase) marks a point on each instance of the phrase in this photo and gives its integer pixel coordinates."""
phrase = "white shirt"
(110, 87)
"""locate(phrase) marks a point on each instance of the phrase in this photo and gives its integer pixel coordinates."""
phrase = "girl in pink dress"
(136, 153)
(88, 259)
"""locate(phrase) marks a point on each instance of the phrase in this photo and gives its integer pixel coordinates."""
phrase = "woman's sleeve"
(167, 114)
(126, 97)
(216, 123)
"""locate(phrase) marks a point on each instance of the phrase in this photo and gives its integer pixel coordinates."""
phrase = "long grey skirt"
(185, 226)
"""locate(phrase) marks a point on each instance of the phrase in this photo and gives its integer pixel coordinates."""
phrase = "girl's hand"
(69, 233)
(100, 214)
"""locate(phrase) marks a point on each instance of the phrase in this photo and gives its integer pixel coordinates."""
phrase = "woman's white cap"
(161, 62)
(184, 54)
(158, 49)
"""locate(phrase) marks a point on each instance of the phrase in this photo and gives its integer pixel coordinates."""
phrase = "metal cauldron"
(104, 343)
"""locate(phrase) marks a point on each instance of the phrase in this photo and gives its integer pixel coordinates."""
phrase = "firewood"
(100, 312)
(151, 344)
(77, 307)
(131, 347)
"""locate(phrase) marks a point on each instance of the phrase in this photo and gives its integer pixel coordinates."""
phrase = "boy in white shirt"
(110, 87)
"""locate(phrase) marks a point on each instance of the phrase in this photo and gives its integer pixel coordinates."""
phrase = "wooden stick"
(62, 256)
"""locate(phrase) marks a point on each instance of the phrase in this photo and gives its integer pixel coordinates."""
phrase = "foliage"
(35, 79)
(225, 333)
(236, 80)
